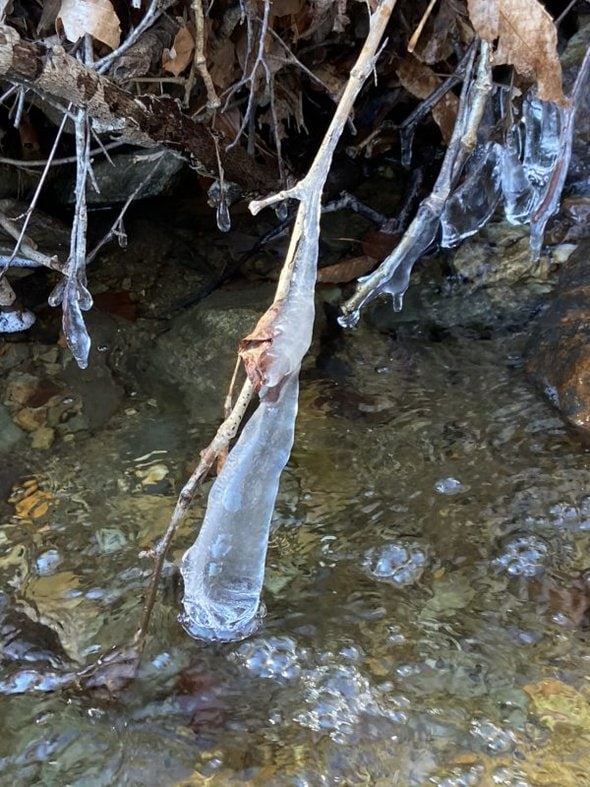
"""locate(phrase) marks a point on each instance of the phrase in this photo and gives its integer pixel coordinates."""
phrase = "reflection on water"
(426, 593)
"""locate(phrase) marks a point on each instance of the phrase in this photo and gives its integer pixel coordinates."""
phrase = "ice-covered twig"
(393, 275)
(72, 291)
(223, 571)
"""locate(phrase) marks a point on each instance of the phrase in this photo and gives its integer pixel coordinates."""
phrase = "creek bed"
(426, 595)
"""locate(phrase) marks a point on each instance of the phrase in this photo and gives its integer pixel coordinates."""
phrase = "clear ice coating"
(473, 203)
(223, 571)
(542, 123)
(519, 196)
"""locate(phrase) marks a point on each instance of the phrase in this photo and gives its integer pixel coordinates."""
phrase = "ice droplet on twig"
(223, 217)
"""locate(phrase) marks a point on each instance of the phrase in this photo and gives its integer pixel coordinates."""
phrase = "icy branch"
(223, 571)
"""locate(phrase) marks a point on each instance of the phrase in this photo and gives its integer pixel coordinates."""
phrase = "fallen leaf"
(420, 80)
(527, 40)
(95, 17)
(379, 244)
(286, 7)
(175, 60)
(557, 703)
(253, 348)
(347, 270)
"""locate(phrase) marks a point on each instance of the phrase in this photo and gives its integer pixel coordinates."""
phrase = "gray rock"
(10, 434)
(118, 177)
(194, 360)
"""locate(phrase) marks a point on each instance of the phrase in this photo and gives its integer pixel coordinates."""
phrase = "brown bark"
(142, 120)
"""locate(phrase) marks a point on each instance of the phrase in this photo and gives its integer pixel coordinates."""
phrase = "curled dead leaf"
(253, 349)
(527, 40)
(347, 270)
(95, 17)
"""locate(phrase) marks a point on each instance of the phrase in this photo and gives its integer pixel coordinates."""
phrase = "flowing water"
(425, 591)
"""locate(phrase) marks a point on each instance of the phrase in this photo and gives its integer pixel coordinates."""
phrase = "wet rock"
(119, 175)
(25, 640)
(21, 387)
(489, 282)
(43, 438)
(30, 418)
(194, 360)
(558, 352)
(10, 434)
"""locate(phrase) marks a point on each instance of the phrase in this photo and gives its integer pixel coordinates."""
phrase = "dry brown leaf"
(379, 243)
(254, 347)
(286, 7)
(176, 59)
(347, 270)
(420, 80)
(95, 17)
(527, 39)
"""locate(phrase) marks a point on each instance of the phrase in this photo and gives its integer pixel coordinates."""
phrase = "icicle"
(473, 203)
(223, 217)
(223, 571)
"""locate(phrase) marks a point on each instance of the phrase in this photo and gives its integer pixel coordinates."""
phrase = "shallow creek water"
(425, 592)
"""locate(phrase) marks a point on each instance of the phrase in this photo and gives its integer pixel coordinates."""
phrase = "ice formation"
(473, 203)
(223, 571)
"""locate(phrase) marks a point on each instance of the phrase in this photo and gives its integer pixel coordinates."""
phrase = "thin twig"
(38, 189)
(115, 230)
(418, 31)
(251, 78)
(200, 61)
(36, 163)
(27, 246)
(408, 127)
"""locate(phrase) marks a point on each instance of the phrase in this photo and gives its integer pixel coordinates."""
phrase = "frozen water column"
(223, 571)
